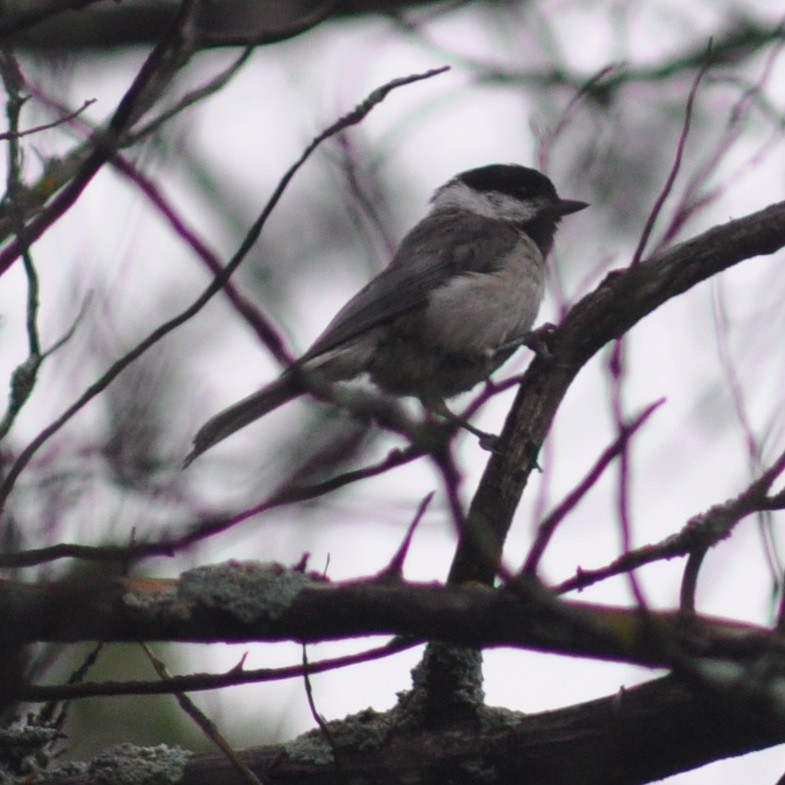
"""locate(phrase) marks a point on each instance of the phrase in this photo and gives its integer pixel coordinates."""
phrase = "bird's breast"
(463, 332)
(476, 313)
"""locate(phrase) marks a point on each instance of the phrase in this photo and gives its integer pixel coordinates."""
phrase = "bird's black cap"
(512, 179)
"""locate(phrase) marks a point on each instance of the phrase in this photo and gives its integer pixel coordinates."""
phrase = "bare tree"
(644, 438)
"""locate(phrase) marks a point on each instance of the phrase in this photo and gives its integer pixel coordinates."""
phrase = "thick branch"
(636, 736)
(621, 300)
(250, 601)
(48, 25)
(633, 737)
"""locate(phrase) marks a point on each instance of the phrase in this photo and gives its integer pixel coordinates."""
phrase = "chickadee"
(459, 296)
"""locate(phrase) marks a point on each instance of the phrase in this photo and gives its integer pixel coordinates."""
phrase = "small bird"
(458, 298)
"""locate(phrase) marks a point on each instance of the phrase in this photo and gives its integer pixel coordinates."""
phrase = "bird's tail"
(256, 405)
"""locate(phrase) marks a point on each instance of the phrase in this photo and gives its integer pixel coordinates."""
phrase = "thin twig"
(164, 61)
(200, 682)
(17, 134)
(203, 722)
(208, 527)
(352, 118)
(549, 524)
(25, 375)
(395, 568)
(255, 319)
(700, 532)
(318, 719)
(212, 86)
(670, 180)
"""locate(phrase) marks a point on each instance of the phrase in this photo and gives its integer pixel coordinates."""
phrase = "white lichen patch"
(362, 732)
(250, 591)
(25, 752)
(127, 764)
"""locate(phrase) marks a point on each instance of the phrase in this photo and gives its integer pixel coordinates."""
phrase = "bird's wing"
(440, 247)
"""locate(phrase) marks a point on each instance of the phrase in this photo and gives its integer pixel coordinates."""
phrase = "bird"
(458, 297)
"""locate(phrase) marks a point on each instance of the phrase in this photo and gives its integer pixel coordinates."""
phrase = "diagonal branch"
(634, 736)
(237, 602)
(353, 117)
(166, 59)
(618, 303)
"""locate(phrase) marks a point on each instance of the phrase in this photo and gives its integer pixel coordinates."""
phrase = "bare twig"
(24, 377)
(352, 118)
(616, 368)
(212, 86)
(318, 719)
(659, 202)
(200, 682)
(548, 140)
(60, 171)
(203, 722)
(548, 526)
(395, 568)
(208, 527)
(164, 61)
(46, 126)
(255, 319)
(701, 532)
(696, 195)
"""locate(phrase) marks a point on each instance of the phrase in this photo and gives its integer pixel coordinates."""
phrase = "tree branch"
(622, 299)
(251, 601)
(634, 736)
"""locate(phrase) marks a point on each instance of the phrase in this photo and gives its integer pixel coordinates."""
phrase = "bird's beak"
(567, 206)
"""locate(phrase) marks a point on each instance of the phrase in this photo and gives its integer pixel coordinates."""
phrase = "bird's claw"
(538, 340)
(489, 442)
